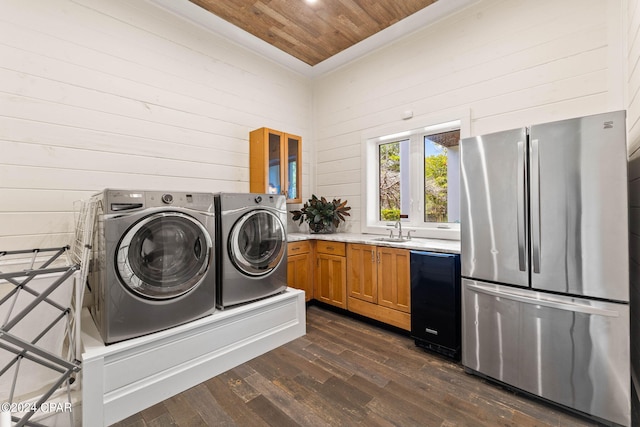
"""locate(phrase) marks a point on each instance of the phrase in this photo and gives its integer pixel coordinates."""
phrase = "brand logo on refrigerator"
(608, 125)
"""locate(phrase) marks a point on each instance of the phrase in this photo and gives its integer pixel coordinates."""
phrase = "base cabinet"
(394, 279)
(299, 267)
(379, 283)
(369, 280)
(362, 272)
(331, 273)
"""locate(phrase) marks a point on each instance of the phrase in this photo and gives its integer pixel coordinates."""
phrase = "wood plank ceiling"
(312, 32)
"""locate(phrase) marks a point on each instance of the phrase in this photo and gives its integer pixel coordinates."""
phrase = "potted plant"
(323, 216)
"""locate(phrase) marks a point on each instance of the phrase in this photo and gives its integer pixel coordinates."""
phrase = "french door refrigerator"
(544, 260)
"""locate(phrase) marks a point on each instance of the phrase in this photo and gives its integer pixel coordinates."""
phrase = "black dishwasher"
(435, 302)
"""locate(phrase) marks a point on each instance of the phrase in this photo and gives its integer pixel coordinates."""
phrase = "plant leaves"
(319, 212)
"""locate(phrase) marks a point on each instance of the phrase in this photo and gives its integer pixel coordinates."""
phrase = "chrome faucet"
(399, 225)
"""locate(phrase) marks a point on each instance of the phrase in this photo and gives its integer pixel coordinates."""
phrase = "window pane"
(292, 163)
(441, 177)
(389, 179)
(274, 164)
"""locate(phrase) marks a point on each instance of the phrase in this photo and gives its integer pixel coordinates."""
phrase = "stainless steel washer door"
(164, 255)
(257, 243)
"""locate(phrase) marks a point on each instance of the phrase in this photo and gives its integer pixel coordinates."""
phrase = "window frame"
(415, 132)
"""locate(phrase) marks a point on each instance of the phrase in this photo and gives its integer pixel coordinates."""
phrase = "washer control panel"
(121, 201)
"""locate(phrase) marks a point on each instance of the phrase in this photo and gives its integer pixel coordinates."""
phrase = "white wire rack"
(80, 254)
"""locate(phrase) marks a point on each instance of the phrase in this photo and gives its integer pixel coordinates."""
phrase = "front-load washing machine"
(252, 238)
(153, 263)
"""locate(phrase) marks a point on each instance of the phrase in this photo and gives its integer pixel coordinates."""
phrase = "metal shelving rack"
(22, 348)
(75, 260)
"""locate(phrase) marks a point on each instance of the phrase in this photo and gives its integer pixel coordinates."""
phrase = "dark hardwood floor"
(345, 372)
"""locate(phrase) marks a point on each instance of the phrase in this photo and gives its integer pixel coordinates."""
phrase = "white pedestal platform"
(122, 379)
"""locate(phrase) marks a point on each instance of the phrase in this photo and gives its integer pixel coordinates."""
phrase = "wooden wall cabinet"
(331, 273)
(379, 283)
(275, 163)
(300, 267)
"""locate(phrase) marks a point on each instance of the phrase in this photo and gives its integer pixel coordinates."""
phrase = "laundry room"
(165, 172)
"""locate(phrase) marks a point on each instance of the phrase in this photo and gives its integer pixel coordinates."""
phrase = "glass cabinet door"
(293, 168)
(274, 169)
(275, 163)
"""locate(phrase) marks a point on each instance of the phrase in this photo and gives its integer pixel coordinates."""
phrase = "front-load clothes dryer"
(153, 263)
(252, 250)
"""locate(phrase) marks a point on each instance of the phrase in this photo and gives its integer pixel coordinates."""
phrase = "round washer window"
(164, 255)
(257, 243)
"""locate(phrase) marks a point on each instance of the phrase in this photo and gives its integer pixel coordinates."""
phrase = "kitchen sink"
(392, 239)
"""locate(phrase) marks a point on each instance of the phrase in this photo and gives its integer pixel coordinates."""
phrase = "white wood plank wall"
(633, 124)
(509, 63)
(122, 94)
(632, 38)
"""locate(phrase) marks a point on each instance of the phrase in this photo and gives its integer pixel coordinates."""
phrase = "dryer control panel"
(120, 201)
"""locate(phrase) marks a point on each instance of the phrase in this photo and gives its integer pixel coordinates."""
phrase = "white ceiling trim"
(419, 20)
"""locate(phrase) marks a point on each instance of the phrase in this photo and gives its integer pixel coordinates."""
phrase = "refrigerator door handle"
(578, 308)
(522, 208)
(535, 206)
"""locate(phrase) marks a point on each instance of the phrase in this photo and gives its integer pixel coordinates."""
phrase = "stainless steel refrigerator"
(545, 265)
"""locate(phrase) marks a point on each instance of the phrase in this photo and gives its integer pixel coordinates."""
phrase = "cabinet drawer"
(302, 247)
(333, 248)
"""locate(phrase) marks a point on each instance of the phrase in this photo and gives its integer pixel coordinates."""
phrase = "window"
(390, 177)
(441, 172)
(413, 176)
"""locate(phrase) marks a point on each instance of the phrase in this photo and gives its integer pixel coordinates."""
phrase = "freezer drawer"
(571, 351)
